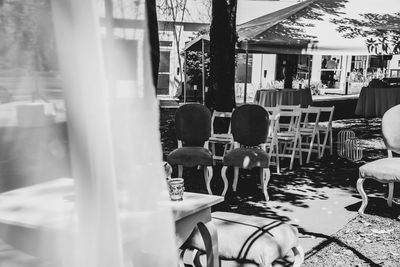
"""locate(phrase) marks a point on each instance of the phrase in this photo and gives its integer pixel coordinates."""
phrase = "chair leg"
(364, 196)
(209, 234)
(208, 174)
(180, 171)
(278, 169)
(293, 154)
(331, 142)
(319, 145)
(213, 152)
(390, 195)
(298, 256)
(326, 135)
(223, 175)
(300, 153)
(310, 149)
(235, 178)
(265, 175)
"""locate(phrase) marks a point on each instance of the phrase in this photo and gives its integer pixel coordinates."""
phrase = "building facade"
(348, 74)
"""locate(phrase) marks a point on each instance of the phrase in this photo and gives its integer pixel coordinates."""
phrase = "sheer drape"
(114, 137)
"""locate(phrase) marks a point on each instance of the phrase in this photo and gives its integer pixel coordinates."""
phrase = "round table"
(274, 97)
(374, 102)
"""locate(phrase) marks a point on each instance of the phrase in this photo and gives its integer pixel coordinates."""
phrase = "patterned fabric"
(247, 158)
(190, 157)
(249, 238)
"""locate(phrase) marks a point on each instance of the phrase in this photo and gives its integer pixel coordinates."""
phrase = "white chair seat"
(384, 170)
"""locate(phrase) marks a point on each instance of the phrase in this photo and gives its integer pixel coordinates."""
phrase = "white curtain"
(114, 138)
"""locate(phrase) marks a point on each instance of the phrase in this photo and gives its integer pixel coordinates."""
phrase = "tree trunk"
(223, 39)
(153, 37)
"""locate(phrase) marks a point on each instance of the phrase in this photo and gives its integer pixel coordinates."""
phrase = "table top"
(191, 203)
(51, 204)
(8, 112)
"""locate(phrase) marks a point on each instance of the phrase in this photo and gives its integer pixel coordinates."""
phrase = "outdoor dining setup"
(256, 136)
(199, 133)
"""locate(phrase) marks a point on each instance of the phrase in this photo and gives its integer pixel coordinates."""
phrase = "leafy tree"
(223, 39)
(381, 31)
(294, 26)
(194, 68)
(26, 34)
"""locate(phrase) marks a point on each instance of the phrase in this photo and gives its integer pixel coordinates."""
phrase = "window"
(331, 71)
(395, 73)
(304, 63)
(163, 73)
(241, 68)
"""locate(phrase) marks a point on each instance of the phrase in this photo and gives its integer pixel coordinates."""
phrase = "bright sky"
(251, 9)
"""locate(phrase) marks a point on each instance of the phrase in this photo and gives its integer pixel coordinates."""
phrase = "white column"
(316, 68)
(269, 66)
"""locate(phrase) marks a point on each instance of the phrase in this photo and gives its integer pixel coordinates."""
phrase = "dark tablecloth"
(373, 102)
(272, 97)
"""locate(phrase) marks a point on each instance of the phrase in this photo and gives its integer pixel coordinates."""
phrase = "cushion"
(246, 158)
(384, 170)
(249, 238)
(190, 157)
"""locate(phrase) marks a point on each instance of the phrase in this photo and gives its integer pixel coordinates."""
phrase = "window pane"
(164, 61)
(163, 84)
(241, 68)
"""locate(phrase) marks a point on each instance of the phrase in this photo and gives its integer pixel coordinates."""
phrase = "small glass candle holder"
(176, 189)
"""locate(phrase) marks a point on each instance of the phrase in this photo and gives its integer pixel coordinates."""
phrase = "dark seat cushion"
(384, 170)
(249, 238)
(190, 157)
(246, 158)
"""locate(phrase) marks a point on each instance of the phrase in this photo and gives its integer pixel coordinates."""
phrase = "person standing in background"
(331, 65)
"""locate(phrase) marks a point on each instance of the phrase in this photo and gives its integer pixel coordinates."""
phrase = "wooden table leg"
(210, 239)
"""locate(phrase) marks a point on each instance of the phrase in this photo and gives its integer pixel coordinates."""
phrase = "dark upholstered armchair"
(193, 129)
(249, 129)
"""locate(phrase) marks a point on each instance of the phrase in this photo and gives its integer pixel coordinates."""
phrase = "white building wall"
(263, 70)
(269, 68)
(316, 69)
(394, 63)
(262, 73)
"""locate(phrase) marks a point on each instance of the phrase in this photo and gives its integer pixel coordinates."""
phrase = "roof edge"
(280, 15)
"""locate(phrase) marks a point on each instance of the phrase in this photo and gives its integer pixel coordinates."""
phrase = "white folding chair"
(326, 130)
(272, 140)
(224, 139)
(289, 135)
(284, 125)
(309, 131)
